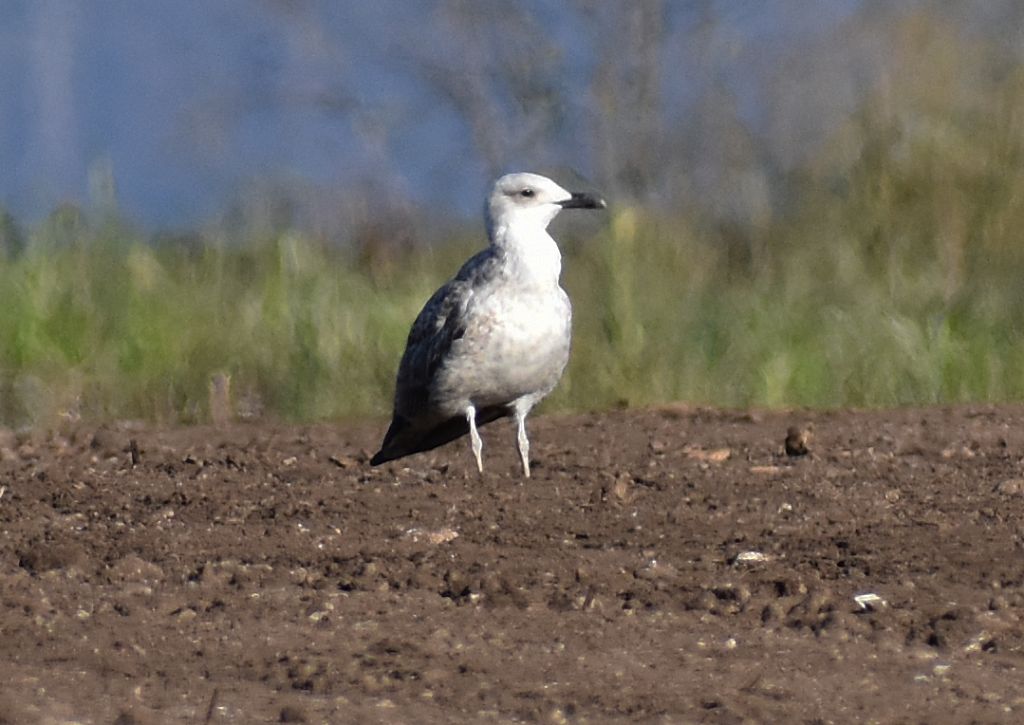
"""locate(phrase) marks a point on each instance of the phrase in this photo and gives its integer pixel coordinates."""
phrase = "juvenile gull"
(493, 341)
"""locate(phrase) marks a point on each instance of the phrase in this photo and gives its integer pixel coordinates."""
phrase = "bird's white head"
(532, 200)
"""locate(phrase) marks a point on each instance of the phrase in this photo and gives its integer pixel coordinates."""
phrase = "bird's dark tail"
(404, 439)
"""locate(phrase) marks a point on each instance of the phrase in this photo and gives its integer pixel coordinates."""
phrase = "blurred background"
(216, 210)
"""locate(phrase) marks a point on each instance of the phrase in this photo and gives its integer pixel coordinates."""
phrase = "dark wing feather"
(403, 440)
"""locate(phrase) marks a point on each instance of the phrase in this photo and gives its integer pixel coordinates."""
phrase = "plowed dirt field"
(671, 565)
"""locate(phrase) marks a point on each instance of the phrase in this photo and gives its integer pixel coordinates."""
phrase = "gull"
(494, 340)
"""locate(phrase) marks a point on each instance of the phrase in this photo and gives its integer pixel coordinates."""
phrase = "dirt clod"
(798, 441)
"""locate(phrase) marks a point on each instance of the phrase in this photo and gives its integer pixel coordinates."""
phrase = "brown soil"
(661, 566)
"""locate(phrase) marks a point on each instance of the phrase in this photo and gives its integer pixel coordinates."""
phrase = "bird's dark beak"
(582, 200)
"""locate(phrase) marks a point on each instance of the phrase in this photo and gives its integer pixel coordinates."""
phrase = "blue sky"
(190, 101)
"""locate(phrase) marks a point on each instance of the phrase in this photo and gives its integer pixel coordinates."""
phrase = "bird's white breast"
(517, 344)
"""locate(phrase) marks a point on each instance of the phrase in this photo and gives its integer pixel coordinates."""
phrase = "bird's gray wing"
(441, 322)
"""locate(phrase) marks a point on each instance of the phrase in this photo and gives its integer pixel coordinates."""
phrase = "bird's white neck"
(531, 251)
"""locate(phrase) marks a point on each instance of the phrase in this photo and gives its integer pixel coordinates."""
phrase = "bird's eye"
(527, 193)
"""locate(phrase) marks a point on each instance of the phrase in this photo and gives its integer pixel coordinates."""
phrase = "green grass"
(664, 321)
(110, 326)
(893, 277)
